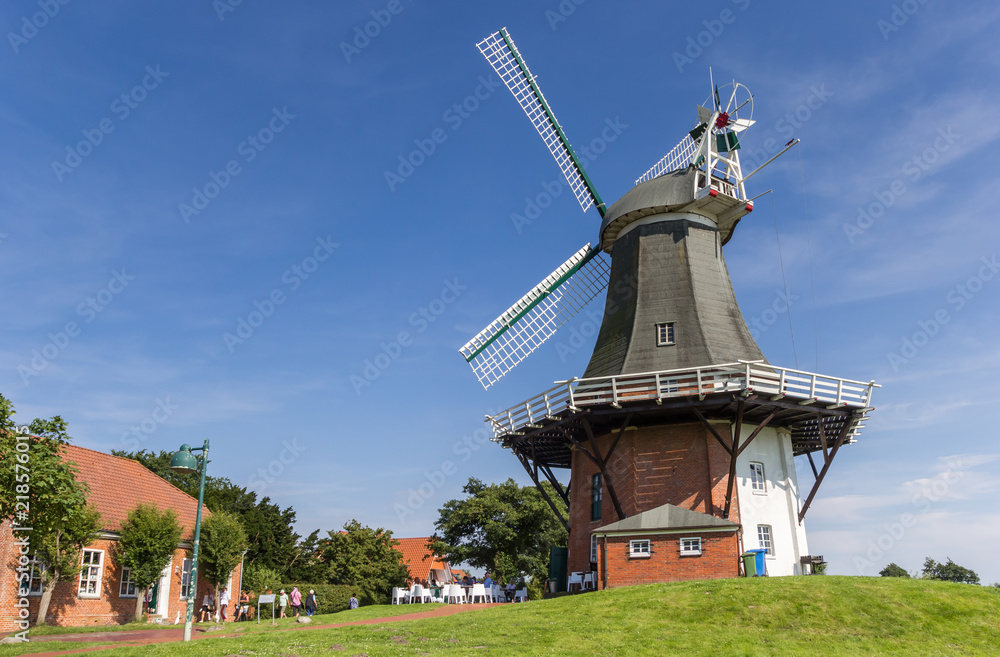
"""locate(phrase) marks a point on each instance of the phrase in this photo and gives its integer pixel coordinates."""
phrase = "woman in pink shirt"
(296, 600)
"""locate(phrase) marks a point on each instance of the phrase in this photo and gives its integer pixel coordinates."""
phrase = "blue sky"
(174, 174)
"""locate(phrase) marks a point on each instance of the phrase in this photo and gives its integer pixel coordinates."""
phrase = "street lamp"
(184, 462)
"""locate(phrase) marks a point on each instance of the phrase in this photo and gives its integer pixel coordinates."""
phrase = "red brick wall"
(680, 464)
(70, 610)
(718, 559)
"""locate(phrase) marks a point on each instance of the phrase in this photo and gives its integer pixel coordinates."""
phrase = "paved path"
(142, 637)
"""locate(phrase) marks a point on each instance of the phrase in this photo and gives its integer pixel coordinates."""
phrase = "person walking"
(296, 600)
(282, 603)
(224, 604)
(353, 602)
(311, 603)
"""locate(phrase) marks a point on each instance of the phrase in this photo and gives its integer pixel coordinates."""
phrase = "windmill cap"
(671, 192)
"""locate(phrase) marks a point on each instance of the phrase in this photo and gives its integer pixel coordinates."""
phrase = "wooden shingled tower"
(678, 406)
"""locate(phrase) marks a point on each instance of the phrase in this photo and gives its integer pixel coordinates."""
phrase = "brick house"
(421, 562)
(103, 593)
(665, 544)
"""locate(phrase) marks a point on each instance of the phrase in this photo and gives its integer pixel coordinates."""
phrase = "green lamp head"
(184, 462)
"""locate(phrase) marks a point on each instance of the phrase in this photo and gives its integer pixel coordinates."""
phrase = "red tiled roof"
(418, 559)
(118, 485)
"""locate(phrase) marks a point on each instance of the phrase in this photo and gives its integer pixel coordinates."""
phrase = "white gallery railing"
(744, 377)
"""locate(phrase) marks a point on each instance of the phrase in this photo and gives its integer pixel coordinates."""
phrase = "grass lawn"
(803, 616)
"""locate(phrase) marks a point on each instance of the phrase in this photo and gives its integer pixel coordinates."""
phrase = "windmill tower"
(680, 438)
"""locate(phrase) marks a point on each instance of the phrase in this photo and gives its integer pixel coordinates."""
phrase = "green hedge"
(332, 597)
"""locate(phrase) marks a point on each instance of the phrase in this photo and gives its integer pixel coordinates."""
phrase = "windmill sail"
(526, 325)
(502, 54)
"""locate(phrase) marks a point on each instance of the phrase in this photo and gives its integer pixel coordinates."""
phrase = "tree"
(949, 572)
(271, 538)
(258, 579)
(505, 528)
(308, 565)
(223, 543)
(148, 540)
(892, 570)
(56, 506)
(365, 558)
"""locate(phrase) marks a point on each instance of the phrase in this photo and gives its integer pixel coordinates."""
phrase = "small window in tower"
(664, 334)
(757, 483)
(595, 497)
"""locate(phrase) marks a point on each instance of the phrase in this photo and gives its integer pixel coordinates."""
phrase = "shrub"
(331, 597)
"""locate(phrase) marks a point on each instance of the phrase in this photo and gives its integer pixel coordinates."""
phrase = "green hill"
(822, 616)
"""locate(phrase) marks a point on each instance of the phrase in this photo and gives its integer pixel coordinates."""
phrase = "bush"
(536, 588)
(331, 597)
(257, 579)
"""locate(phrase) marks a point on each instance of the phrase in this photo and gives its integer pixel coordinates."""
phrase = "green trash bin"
(750, 564)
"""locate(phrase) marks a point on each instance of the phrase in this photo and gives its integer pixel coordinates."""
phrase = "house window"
(186, 579)
(593, 548)
(691, 547)
(639, 549)
(757, 483)
(664, 334)
(127, 588)
(764, 539)
(90, 574)
(33, 584)
(595, 497)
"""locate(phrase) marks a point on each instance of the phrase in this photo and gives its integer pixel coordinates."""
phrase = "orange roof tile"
(418, 559)
(118, 485)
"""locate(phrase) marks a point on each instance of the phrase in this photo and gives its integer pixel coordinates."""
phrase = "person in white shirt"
(207, 603)
(223, 604)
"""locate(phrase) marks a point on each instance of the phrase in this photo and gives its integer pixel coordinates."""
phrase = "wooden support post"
(826, 466)
(812, 464)
(604, 471)
(547, 471)
(715, 433)
(538, 485)
(734, 452)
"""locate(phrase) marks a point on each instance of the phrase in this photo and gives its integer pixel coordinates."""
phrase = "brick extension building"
(102, 594)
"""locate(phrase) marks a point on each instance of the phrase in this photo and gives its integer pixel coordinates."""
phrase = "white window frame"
(34, 584)
(691, 546)
(765, 539)
(185, 572)
(126, 583)
(593, 548)
(758, 482)
(86, 577)
(636, 551)
(666, 334)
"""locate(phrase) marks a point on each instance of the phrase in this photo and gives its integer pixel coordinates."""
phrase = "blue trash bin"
(759, 561)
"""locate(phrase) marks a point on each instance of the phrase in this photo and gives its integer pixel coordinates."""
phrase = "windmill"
(677, 407)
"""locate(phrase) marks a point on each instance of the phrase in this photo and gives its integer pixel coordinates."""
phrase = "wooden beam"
(555, 483)
(604, 471)
(812, 464)
(756, 431)
(826, 467)
(734, 452)
(538, 485)
(607, 456)
(822, 438)
(729, 450)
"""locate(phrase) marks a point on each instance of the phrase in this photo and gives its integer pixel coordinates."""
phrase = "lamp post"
(184, 462)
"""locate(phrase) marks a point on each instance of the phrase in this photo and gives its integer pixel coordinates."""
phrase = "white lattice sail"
(503, 56)
(526, 325)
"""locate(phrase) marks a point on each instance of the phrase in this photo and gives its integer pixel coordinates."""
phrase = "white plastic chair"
(478, 591)
(574, 578)
(417, 594)
(521, 594)
(455, 594)
(589, 581)
(398, 596)
(496, 594)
